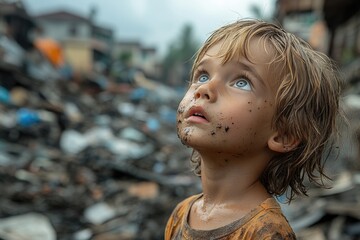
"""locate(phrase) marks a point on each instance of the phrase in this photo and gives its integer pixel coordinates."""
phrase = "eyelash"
(246, 77)
(197, 74)
(200, 72)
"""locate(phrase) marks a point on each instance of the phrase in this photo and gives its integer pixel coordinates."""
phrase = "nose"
(207, 91)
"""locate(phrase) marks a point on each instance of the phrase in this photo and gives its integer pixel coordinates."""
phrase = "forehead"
(257, 51)
(237, 37)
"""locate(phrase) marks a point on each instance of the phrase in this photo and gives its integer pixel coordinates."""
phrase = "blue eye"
(243, 84)
(203, 78)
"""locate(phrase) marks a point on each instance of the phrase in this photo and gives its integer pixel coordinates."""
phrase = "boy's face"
(229, 107)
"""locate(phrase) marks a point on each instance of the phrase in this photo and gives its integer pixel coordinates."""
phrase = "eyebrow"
(202, 62)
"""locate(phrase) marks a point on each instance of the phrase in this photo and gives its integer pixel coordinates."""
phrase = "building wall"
(347, 41)
(66, 29)
(78, 53)
(77, 41)
(305, 19)
(289, 6)
(150, 63)
(140, 57)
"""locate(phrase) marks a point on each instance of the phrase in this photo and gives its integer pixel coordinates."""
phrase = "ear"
(282, 143)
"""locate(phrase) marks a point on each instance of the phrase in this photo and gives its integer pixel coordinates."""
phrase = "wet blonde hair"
(306, 101)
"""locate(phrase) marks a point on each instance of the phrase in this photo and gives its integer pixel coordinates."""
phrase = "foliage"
(179, 57)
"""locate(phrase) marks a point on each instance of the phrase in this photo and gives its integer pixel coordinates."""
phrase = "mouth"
(197, 114)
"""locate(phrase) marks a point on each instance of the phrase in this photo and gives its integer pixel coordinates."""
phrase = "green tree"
(179, 57)
(258, 12)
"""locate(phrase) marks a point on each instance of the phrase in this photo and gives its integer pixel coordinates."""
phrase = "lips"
(197, 114)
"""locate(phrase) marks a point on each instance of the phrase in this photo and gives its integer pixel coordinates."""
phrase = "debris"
(27, 226)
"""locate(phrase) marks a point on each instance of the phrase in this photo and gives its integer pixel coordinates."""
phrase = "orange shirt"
(266, 221)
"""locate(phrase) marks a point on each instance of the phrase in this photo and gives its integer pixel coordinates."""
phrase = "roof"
(62, 15)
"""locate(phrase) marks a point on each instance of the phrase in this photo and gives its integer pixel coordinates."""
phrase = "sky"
(156, 23)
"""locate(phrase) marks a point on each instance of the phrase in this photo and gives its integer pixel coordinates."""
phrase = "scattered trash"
(82, 160)
(27, 226)
(77, 164)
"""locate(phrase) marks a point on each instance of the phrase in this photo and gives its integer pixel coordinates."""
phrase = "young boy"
(259, 113)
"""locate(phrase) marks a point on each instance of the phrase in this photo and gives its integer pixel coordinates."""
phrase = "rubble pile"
(334, 213)
(79, 166)
(82, 166)
(83, 156)
(78, 163)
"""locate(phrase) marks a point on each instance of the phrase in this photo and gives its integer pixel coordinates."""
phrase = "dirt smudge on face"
(181, 109)
(237, 155)
(184, 135)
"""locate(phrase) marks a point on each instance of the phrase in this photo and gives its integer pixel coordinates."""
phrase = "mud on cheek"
(180, 109)
(220, 129)
(184, 134)
(179, 117)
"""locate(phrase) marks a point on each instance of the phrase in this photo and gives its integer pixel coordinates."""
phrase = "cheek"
(181, 110)
(244, 128)
(187, 99)
(183, 132)
(230, 130)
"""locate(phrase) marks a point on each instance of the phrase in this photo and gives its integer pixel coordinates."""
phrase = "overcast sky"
(156, 23)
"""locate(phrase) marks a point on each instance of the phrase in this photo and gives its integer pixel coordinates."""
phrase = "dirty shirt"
(265, 222)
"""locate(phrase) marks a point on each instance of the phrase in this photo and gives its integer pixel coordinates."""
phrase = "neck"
(231, 189)
(230, 178)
